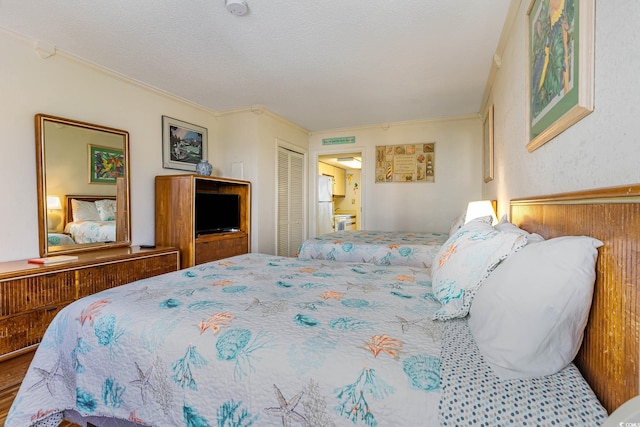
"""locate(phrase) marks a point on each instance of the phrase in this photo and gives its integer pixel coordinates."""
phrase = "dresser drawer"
(99, 278)
(223, 247)
(36, 292)
(23, 330)
(31, 295)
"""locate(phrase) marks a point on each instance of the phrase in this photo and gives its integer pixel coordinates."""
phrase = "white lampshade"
(479, 209)
(53, 202)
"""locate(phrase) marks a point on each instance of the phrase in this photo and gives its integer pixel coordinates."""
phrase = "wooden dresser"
(176, 211)
(31, 295)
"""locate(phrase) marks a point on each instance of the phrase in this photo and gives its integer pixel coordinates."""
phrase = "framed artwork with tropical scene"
(105, 164)
(560, 51)
(183, 144)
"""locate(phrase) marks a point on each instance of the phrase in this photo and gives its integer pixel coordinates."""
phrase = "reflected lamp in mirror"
(54, 215)
(479, 209)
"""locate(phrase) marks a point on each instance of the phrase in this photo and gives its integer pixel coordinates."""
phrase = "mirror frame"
(40, 120)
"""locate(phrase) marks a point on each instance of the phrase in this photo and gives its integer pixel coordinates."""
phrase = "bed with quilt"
(414, 249)
(91, 231)
(91, 219)
(272, 341)
(59, 239)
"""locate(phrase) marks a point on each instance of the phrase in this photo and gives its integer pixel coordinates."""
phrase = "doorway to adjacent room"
(346, 172)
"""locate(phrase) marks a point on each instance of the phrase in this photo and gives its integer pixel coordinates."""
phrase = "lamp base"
(53, 221)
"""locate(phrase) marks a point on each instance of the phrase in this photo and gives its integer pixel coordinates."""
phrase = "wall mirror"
(83, 186)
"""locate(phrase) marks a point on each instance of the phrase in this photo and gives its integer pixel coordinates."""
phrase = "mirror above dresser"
(83, 186)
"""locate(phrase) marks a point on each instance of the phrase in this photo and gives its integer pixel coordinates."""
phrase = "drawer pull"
(50, 309)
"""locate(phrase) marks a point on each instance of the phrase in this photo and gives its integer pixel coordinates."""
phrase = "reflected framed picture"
(560, 68)
(105, 164)
(487, 144)
(183, 144)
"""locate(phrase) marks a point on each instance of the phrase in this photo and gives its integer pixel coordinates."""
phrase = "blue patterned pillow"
(465, 260)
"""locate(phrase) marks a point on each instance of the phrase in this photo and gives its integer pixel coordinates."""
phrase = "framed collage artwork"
(406, 162)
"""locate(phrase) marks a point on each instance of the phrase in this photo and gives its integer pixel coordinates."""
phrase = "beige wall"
(68, 87)
(601, 150)
(414, 206)
(249, 137)
(67, 161)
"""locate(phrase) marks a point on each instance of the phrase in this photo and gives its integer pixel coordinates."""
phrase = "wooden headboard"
(609, 356)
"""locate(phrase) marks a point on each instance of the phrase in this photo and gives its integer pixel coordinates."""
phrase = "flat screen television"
(217, 213)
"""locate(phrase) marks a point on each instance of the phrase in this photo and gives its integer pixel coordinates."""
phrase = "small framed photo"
(183, 144)
(105, 164)
(487, 144)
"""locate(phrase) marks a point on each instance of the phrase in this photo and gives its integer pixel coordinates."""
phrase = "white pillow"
(529, 316)
(84, 211)
(465, 260)
(106, 209)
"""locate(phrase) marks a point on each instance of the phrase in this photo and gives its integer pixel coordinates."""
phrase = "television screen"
(217, 212)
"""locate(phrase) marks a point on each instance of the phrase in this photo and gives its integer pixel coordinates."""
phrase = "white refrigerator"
(325, 204)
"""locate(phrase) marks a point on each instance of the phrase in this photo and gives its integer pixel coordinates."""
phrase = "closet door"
(291, 182)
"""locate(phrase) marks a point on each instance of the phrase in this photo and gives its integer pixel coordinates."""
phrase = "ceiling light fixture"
(236, 7)
(352, 162)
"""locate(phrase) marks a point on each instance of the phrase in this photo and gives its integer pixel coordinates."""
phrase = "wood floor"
(12, 372)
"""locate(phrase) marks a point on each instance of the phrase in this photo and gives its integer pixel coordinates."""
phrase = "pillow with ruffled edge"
(505, 225)
(465, 260)
(84, 211)
(457, 223)
(106, 209)
(528, 318)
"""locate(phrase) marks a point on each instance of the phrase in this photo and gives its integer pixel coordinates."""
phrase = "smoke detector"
(237, 7)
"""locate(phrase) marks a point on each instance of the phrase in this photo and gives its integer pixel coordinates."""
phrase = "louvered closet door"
(290, 201)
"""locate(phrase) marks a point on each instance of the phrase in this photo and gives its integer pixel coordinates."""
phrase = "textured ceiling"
(322, 64)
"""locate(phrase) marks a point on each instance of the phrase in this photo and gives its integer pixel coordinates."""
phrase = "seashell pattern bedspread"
(249, 340)
(414, 249)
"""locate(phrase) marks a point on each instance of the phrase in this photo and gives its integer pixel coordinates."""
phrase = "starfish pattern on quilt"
(286, 410)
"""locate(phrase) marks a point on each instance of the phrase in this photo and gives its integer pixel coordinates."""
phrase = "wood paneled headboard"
(609, 356)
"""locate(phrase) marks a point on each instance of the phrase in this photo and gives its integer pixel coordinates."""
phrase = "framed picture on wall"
(183, 144)
(105, 164)
(560, 53)
(487, 144)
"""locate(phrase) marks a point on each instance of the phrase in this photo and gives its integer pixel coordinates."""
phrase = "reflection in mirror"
(83, 185)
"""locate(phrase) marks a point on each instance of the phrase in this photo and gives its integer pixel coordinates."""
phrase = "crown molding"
(389, 125)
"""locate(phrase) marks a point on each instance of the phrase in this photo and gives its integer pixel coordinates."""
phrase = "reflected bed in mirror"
(83, 185)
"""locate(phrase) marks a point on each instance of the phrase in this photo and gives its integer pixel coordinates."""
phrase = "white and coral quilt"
(249, 340)
(91, 231)
(414, 249)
